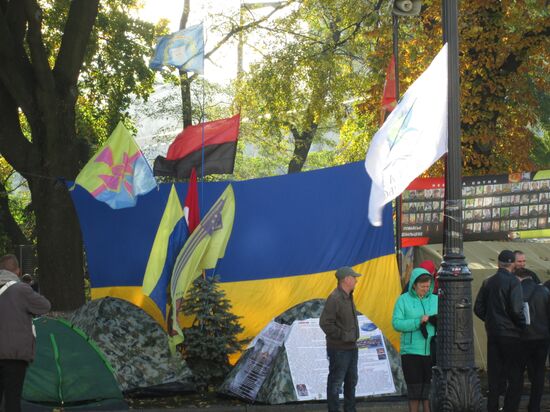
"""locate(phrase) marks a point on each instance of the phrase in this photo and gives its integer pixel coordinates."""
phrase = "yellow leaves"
(5, 169)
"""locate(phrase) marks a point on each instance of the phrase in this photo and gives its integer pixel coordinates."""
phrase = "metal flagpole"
(398, 200)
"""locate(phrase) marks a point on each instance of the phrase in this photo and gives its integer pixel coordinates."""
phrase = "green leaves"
(300, 90)
(325, 69)
(115, 67)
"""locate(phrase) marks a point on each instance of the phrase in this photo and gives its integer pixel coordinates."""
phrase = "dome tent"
(68, 371)
(136, 347)
(278, 386)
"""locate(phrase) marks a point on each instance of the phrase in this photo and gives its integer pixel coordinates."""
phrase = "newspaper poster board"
(494, 207)
(264, 350)
(307, 359)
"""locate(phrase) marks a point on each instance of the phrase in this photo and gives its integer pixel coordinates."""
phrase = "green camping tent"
(69, 370)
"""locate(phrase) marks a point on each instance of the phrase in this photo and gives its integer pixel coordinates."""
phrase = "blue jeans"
(342, 369)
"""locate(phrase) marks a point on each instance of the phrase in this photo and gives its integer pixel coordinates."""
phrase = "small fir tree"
(213, 335)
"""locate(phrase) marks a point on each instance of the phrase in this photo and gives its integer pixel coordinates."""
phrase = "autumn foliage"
(503, 65)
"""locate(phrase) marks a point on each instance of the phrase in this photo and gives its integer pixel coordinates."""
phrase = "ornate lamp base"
(456, 390)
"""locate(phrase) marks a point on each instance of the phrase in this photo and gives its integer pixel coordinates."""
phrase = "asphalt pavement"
(394, 404)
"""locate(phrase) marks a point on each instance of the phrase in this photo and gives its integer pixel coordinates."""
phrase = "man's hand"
(424, 319)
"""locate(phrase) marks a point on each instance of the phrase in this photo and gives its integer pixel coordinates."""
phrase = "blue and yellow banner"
(290, 234)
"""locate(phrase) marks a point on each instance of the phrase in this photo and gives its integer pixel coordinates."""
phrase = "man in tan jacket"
(18, 303)
(339, 322)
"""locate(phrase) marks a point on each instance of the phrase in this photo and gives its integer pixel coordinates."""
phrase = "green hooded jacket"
(407, 313)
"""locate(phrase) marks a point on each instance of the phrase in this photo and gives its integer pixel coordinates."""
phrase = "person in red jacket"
(18, 303)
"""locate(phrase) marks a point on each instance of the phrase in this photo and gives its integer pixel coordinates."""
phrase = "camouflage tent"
(278, 386)
(135, 345)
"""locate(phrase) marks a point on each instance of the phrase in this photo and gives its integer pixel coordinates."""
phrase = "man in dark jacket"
(535, 338)
(339, 322)
(18, 303)
(499, 304)
(521, 262)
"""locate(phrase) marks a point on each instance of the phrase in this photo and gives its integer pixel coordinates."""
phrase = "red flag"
(191, 205)
(185, 152)
(389, 96)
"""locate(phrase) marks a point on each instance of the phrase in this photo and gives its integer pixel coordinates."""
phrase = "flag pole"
(202, 149)
(398, 200)
(202, 154)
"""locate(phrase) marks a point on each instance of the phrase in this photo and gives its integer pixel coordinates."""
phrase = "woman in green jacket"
(415, 316)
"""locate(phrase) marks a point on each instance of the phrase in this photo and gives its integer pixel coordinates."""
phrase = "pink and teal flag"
(119, 172)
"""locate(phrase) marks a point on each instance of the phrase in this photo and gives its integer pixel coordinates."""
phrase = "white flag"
(413, 137)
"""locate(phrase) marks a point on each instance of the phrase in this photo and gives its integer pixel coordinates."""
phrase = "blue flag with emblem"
(183, 49)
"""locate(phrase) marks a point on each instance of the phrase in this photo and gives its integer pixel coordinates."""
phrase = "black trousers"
(534, 359)
(504, 357)
(12, 376)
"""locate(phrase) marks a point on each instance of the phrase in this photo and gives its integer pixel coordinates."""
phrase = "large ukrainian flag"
(290, 234)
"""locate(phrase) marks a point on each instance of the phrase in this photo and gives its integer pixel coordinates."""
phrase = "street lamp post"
(455, 383)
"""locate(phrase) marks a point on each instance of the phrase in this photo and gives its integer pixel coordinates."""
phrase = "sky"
(154, 10)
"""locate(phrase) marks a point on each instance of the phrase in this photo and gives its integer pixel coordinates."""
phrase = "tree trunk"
(186, 106)
(302, 144)
(185, 80)
(60, 258)
(46, 94)
(59, 245)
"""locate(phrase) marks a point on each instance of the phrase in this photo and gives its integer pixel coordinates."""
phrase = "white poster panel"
(307, 359)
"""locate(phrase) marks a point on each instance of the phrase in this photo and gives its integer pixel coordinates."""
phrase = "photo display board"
(495, 207)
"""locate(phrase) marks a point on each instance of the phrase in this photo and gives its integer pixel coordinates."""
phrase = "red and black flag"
(185, 152)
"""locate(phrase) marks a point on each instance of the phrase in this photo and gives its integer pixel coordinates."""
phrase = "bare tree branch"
(81, 18)
(15, 148)
(238, 29)
(15, 70)
(38, 52)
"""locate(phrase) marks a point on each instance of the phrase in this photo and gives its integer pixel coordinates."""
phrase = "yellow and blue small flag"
(170, 238)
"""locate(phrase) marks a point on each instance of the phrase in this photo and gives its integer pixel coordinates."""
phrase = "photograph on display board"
(498, 207)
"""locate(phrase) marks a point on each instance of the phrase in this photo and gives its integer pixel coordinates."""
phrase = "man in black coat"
(535, 338)
(521, 262)
(499, 304)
